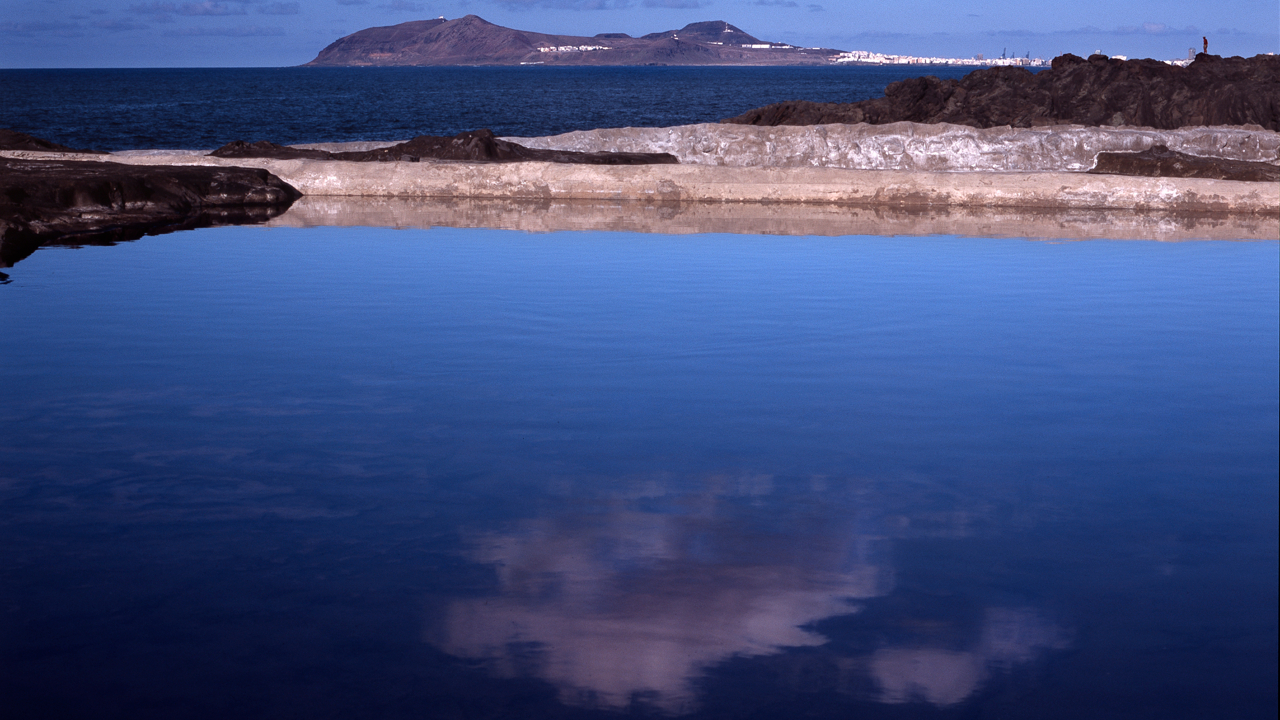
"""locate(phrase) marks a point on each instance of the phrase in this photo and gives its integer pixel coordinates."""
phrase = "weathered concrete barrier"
(914, 146)
(700, 183)
(712, 184)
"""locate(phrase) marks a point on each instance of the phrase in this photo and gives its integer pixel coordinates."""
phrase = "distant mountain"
(472, 40)
(716, 32)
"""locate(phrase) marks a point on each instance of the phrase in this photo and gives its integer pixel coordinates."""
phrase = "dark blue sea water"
(462, 473)
(206, 108)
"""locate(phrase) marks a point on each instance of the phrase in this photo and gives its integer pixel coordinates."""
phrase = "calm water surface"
(482, 474)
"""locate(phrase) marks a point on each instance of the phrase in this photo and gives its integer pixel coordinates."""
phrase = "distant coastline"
(474, 41)
(471, 40)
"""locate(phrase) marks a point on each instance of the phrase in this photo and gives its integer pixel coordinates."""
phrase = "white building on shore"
(864, 57)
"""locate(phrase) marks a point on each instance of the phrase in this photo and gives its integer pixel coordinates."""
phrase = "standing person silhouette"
(1206, 44)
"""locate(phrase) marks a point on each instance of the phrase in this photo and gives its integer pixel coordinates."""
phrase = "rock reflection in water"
(772, 219)
(623, 603)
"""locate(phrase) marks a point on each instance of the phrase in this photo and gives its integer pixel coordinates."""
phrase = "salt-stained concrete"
(772, 219)
(701, 183)
(914, 146)
(913, 166)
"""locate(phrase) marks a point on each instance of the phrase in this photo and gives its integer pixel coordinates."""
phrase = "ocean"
(207, 108)
(390, 470)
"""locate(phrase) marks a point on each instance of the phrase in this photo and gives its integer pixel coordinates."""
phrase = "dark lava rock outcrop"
(1212, 90)
(99, 203)
(1160, 161)
(473, 146)
(14, 140)
(264, 149)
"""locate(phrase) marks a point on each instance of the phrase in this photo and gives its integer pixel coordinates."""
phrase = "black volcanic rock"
(482, 145)
(474, 146)
(100, 203)
(1160, 161)
(264, 149)
(1099, 91)
(471, 40)
(14, 140)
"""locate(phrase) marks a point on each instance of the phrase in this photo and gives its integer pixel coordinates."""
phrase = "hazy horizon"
(269, 33)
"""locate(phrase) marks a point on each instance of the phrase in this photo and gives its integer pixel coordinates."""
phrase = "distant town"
(864, 57)
(856, 57)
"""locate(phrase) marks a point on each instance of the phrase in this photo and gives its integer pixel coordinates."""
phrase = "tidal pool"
(465, 473)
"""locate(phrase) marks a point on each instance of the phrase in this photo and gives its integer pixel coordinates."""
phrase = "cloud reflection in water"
(632, 600)
(946, 677)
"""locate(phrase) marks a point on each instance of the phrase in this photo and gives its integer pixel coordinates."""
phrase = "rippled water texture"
(206, 108)
(449, 473)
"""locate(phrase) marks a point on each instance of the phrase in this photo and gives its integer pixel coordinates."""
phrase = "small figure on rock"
(1206, 44)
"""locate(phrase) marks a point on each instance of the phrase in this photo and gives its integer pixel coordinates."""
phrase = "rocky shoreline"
(723, 184)
(473, 146)
(1198, 170)
(55, 195)
(51, 194)
(1099, 91)
(1160, 161)
(90, 202)
(1088, 134)
(933, 147)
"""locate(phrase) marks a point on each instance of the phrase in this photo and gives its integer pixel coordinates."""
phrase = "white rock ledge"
(914, 146)
(907, 165)
(701, 183)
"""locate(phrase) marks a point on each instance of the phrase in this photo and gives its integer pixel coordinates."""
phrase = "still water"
(462, 473)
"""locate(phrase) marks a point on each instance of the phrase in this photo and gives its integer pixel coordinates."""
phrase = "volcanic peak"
(709, 31)
(471, 40)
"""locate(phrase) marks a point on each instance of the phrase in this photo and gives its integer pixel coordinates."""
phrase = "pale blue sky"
(181, 33)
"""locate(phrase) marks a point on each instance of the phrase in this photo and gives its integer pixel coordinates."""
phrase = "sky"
(272, 33)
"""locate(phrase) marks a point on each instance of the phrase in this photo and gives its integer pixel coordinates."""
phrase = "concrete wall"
(914, 146)
(718, 184)
(701, 183)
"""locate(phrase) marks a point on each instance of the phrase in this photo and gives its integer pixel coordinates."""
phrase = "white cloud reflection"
(628, 603)
(946, 677)
(640, 603)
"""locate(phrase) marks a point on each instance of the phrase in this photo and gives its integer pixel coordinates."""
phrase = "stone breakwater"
(914, 146)
(897, 165)
(715, 184)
